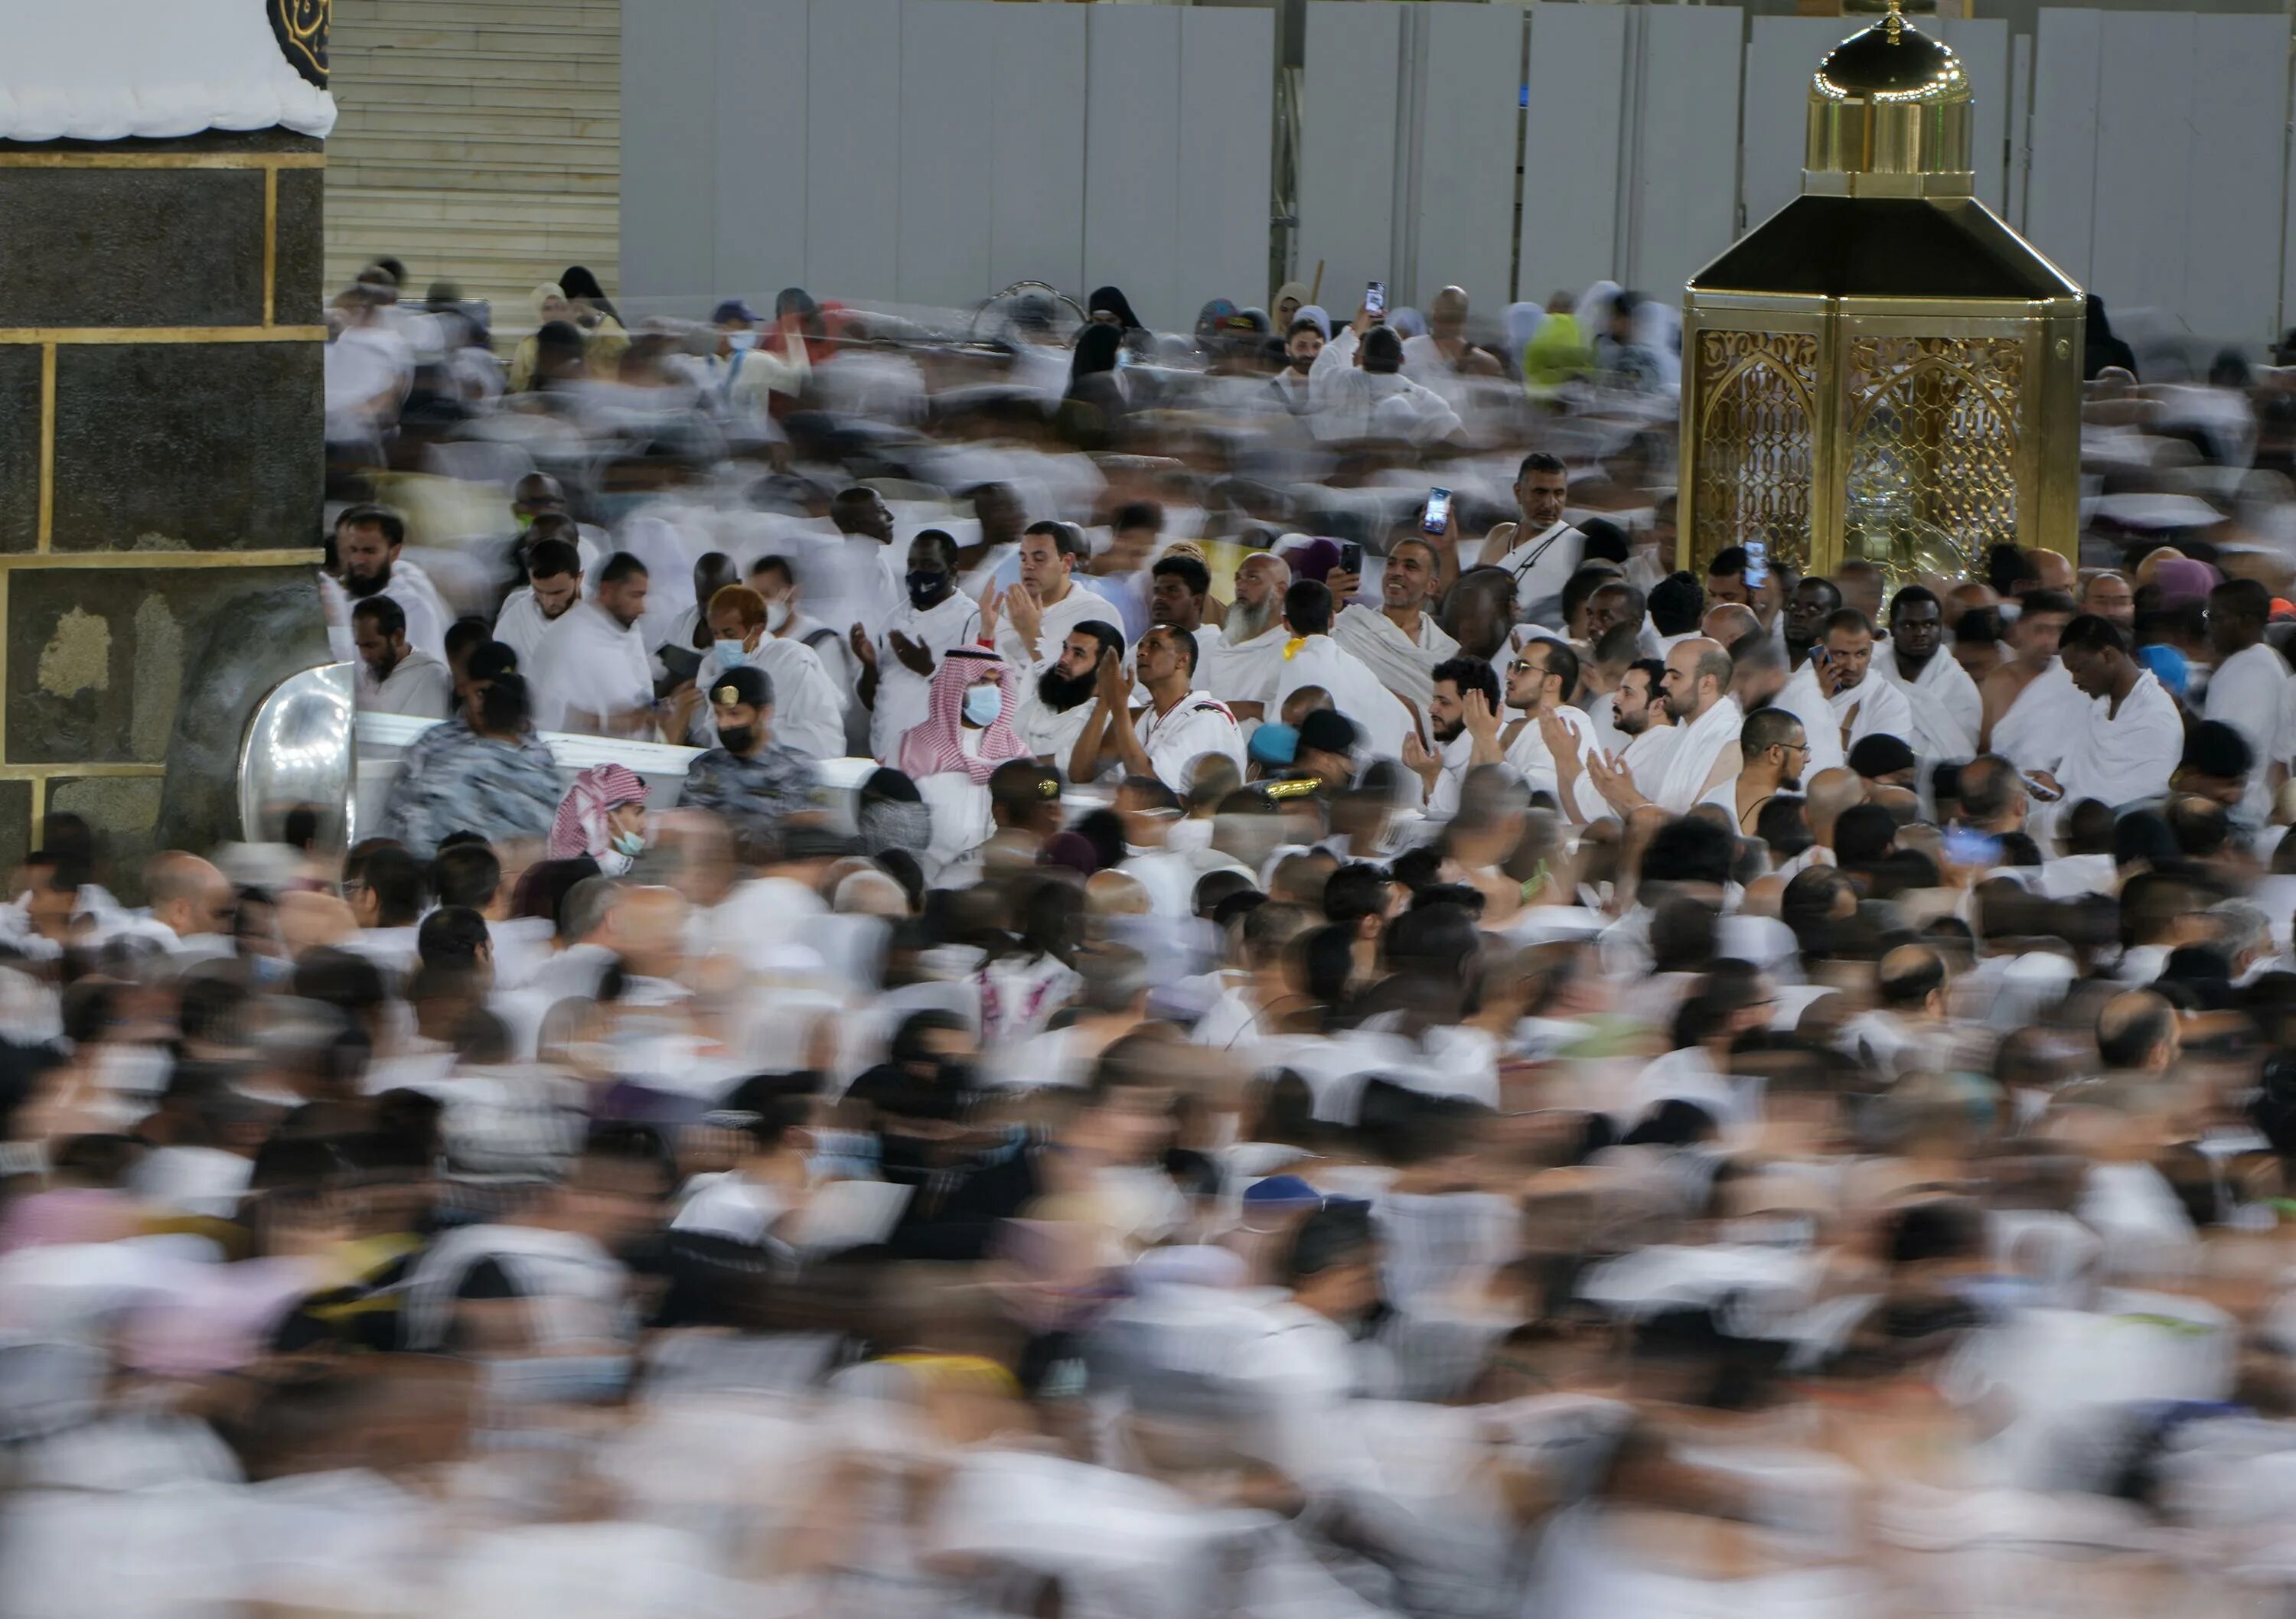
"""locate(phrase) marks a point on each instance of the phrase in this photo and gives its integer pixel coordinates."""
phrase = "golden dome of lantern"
(1882, 368)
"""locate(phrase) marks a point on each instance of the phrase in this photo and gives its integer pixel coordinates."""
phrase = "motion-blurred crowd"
(1196, 982)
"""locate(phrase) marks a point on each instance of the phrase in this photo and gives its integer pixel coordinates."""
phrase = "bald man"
(2108, 596)
(1241, 663)
(190, 910)
(1726, 624)
(1831, 792)
(1441, 357)
(2051, 570)
(1697, 692)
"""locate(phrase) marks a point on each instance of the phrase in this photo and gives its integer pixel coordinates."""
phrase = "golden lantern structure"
(1883, 368)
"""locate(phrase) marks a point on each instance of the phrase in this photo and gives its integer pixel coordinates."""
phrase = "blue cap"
(1281, 1191)
(2168, 668)
(1274, 743)
(732, 309)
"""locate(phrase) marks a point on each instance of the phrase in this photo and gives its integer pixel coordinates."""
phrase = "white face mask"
(777, 614)
(740, 340)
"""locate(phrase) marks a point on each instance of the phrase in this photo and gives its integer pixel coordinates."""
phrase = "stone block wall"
(162, 474)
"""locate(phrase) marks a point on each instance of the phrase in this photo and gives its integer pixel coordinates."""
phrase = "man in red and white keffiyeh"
(938, 744)
(603, 816)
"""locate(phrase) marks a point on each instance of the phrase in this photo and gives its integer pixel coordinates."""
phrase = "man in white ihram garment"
(2032, 709)
(2132, 737)
(592, 673)
(1542, 551)
(1243, 661)
(1357, 390)
(553, 575)
(1311, 657)
(1399, 640)
(367, 543)
(809, 709)
(1862, 705)
(1938, 693)
(896, 664)
(1697, 694)
(1034, 617)
(2250, 691)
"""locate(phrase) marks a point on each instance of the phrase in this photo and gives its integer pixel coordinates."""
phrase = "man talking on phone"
(1540, 551)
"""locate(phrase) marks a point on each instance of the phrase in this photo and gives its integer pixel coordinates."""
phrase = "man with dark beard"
(1054, 706)
(367, 541)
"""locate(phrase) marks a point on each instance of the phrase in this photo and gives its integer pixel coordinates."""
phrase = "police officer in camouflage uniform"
(753, 781)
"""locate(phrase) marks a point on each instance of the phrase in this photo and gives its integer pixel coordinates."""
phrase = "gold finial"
(1896, 22)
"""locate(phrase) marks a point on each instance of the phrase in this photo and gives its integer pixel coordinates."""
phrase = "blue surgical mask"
(731, 654)
(629, 844)
(983, 704)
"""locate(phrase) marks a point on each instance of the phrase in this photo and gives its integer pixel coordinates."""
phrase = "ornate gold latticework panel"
(1938, 417)
(1756, 438)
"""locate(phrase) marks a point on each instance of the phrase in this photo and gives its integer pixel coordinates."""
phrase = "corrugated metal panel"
(479, 141)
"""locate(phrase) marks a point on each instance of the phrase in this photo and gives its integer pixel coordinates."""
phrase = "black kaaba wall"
(161, 471)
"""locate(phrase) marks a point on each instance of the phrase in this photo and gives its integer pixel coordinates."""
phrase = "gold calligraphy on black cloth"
(301, 26)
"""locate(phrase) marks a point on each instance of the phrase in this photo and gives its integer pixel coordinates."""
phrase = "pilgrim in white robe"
(419, 684)
(1696, 752)
(521, 625)
(589, 668)
(1197, 725)
(1404, 665)
(1050, 732)
(2042, 723)
(2120, 758)
(1947, 709)
(1242, 671)
(1645, 757)
(1541, 563)
(808, 710)
(1319, 660)
(1533, 762)
(902, 698)
(1077, 606)
(1873, 706)
(1803, 698)
(2249, 692)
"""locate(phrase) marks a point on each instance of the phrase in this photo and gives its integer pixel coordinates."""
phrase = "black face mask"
(737, 739)
(926, 587)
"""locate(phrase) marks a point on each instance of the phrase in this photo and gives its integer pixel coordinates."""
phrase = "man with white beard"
(1242, 662)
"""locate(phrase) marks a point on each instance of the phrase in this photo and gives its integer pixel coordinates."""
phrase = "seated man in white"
(1035, 616)
(809, 709)
(1179, 724)
(2133, 735)
(1056, 695)
(1311, 657)
(1862, 705)
(1243, 661)
(1943, 700)
(1399, 640)
(1697, 694)
(1539, 683)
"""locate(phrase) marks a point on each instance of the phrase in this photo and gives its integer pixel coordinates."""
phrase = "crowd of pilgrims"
(1241, 1000)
